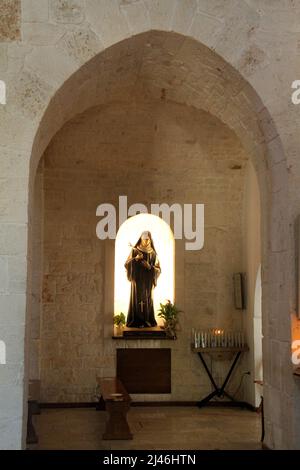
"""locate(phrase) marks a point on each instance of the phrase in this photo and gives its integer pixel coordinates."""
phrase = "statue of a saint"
(143, 269)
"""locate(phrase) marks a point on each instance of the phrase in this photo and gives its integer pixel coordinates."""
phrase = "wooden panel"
(145, 370)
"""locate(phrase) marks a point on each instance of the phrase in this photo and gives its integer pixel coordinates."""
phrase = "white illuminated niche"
(2, 92)
(163, 239)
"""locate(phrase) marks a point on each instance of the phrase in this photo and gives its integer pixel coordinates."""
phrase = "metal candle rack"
(218, 341)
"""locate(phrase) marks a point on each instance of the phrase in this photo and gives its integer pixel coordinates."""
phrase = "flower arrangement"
(119, 322)
(169, 312)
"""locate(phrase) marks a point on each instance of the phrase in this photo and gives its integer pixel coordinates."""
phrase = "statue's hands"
(146, 264)
(139, 256)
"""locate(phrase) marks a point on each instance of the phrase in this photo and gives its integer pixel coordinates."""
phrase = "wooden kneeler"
(116, 401)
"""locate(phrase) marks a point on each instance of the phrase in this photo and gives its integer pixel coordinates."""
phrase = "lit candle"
(218, 338)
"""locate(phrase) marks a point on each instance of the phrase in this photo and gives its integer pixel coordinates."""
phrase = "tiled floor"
(153, 428)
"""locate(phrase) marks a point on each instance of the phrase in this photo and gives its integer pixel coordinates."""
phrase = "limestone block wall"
(37, 276)
(152, 152)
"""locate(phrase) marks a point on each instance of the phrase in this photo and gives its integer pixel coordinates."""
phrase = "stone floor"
(153, 428)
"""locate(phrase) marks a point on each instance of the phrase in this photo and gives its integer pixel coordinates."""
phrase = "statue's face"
(145, 242)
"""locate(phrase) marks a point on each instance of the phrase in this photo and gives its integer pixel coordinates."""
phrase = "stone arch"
(175, 67)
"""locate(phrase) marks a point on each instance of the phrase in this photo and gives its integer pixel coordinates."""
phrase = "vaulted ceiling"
(160, 66)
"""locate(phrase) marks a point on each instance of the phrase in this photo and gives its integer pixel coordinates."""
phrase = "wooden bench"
(116, 401)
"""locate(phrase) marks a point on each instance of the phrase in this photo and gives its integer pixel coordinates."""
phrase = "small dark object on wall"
(239, 284)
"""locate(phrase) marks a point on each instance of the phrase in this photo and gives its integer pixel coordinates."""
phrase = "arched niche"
(163, 240)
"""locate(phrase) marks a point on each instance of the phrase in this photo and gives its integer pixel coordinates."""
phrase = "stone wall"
(10, 20)
(151, 152)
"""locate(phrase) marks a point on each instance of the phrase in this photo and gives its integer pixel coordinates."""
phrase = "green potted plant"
(119, 322)
(169, 313)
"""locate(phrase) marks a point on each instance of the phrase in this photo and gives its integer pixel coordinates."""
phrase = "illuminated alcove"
(163, 239)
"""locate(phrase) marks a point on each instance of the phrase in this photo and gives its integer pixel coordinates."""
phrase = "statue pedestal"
(152, 332)
(155, 332)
